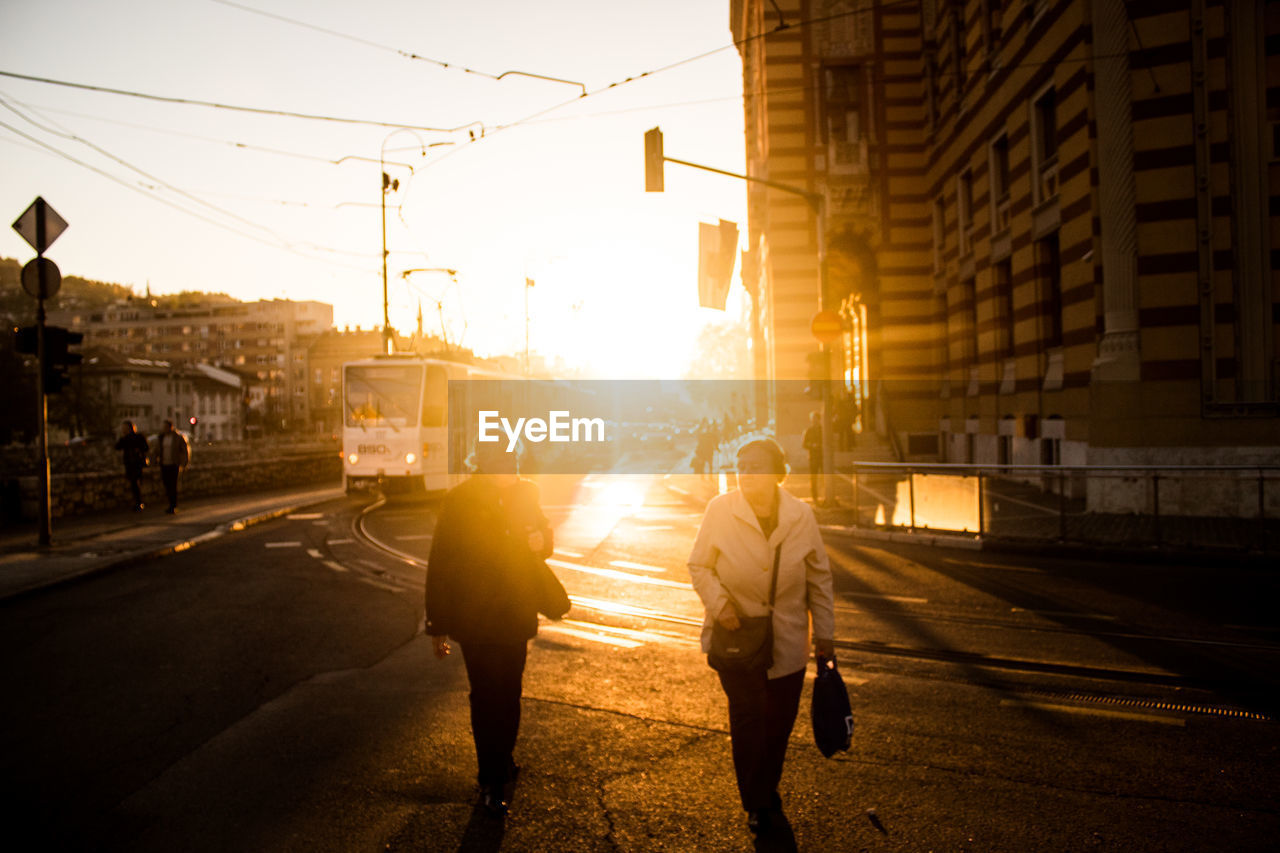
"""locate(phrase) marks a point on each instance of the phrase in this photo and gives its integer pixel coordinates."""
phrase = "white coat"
(732, 558)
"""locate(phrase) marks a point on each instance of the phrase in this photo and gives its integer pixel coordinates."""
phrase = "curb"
(142, 555)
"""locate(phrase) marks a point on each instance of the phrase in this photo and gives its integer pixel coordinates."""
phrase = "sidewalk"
(100, 542)
(1091, 536)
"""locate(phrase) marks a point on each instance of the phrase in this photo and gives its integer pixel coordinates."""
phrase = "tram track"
(976, 668)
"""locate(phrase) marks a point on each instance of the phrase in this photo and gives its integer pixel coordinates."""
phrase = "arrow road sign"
(40, 225)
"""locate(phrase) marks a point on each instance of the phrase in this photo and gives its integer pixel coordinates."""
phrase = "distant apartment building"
(1050, 225)
(263, 338)
(151, 391)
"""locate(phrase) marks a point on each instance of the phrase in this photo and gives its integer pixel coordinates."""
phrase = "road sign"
(40, 225)
(38, 271)
(827, 327)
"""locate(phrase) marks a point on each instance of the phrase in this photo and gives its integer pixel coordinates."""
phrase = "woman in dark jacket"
(489, 540)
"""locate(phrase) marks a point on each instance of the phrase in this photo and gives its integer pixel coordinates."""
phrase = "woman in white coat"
(731, 566)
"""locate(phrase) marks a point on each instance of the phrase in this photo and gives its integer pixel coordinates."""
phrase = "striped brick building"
(1048, 223)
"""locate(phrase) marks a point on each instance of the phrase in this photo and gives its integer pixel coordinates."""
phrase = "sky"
(502, 180)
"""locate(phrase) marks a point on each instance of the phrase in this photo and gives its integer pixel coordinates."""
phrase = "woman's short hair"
(777, 456)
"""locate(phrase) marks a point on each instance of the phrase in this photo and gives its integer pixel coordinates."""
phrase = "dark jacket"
(480, 581)
(134, 449)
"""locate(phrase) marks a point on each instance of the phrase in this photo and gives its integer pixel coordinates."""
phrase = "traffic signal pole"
(42, 402)
(654, 182)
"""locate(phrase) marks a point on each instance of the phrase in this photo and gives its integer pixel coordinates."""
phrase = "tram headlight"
(410, 458)
(352, 458)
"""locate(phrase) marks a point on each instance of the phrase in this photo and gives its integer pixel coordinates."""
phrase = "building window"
(930, 91)
(1002, 275)
(1049, 264)
(964, 211)
(939, 234)
(1044, 145)
(845, 117)
(999, 169)
(969, 309)
(991, 29)
(958, 48)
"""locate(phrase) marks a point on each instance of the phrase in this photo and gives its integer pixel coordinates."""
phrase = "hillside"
(17, 307)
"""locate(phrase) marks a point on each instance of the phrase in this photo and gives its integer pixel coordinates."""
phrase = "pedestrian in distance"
(134, 451)
(812, 442)
(173, 454)
(490, 542)
(759, 553)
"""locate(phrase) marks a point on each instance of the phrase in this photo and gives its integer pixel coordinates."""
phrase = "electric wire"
(89, 87)
(289, 247)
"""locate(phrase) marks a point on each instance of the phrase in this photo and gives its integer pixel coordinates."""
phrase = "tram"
(395, 424)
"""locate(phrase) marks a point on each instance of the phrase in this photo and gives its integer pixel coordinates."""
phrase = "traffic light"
(24, 339)
(819, 374)
(653, 161)
(57, 358)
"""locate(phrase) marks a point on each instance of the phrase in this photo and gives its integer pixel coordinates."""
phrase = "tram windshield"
(383, 395)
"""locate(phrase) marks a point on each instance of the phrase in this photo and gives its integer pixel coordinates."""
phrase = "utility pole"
(654, 159)
(40, 225)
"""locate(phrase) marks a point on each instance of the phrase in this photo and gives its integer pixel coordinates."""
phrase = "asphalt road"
(272, 691)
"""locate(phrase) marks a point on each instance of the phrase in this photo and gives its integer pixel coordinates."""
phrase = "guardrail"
(1234, 507)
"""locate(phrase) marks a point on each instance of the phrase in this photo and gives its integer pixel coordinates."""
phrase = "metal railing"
(1233, 508)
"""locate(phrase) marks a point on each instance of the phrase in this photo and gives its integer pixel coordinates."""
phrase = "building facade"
(152, 391)
(265, 338)
(1049, 225)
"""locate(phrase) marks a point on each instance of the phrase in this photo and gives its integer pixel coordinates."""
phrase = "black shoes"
(497, 798)
(762, 820)
(494, 798)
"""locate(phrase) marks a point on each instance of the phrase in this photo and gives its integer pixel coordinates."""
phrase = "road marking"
(901, 599)
(654, 527)
(337, 567)
(631, 633)
(617, 575)
(1069, 613)
(379, 584)
(563, 553)
(567, 631)
(1093, 712)
(413, 536)
(312, 552)
(639, 567)
(284, 544)
(304, 516)
(341, 541)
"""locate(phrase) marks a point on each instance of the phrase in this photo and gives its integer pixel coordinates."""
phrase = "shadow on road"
(484, 832)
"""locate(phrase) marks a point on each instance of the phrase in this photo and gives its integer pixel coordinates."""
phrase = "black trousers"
(815, 473)
(169, 476)
(762, 712)
(134, 476)
(496, 673)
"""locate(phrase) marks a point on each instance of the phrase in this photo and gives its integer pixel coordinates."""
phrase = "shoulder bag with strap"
(750, 648)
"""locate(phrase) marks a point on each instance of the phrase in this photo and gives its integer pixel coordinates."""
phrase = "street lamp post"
(389, 185)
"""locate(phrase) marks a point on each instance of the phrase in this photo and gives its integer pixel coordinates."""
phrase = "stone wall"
(74, 494)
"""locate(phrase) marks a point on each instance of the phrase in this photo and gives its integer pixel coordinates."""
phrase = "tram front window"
(383, 395)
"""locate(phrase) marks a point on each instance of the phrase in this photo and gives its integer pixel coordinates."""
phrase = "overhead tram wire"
(64, 134)
(89, 87)
(284, 246)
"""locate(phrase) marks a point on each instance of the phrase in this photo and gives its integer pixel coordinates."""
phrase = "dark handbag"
(750, 648)
(832, 718)
(550, 595)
